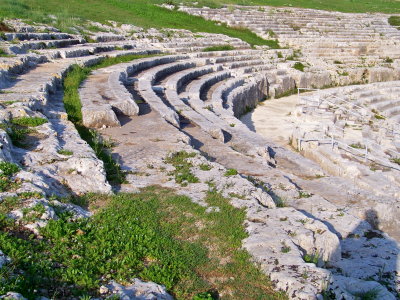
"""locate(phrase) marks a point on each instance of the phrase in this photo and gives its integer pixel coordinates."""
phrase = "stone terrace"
(350, 48)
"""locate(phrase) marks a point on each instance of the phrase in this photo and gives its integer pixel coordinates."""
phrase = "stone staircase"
(343, 45)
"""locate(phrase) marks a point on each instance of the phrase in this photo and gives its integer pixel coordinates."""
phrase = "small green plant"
(357, 146)
(379, 117)
(368, 295)
(337, 62)
(8, 169)
(209, 107)
(305, 275)
(303, 221)
(280, 202)
(3, 53)
(219, 48)
(65, 152)
(232, 124)
(299, 66)
(388, 60)
(231, 172)
(270, 33)
(31, 214)
(296, 54)
(239, 196)
(17, 135)
(205, 167)
(285, 249)
(344, 73)
(170, 2)
(182, 173)
(8, 204)
(30, 195)
(29, 121)
(395, 160)
(286, 93)
(279, 54)
(7, 103)
(203, 296)
(303, 194)
(312, 258)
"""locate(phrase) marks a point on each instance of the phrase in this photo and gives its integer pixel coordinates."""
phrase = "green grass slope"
(139, 12)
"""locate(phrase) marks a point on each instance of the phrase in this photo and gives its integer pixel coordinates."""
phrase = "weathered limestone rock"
(13, 296)
(139, 290)
(3, 259)
(350, 288)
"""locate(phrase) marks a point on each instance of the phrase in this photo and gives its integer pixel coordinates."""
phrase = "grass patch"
(29, 121)
(219, 48)
(182, 172)
(73, 107)
(7, 170)
(394, 20)
(18, 129)
(3, 53)
(154, 235)
(65, 152)
(231, 172)
(17, 133)
(299, 66)
(30, 195)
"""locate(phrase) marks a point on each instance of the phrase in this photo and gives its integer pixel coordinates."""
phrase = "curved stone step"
(25, 46)
(149, 77)
(26, 36)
